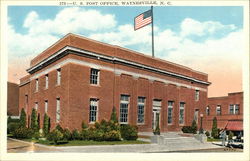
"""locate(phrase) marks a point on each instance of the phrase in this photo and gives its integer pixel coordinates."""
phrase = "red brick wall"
(12, 99)
(232, 98)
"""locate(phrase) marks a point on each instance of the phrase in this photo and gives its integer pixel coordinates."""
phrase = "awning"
(234, 125)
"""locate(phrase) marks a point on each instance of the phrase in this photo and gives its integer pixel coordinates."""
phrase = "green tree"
(55, 136)
(194, 127)
(114, 116)
(214, 132)
(23, 118)
(34, 120)
(46, 124)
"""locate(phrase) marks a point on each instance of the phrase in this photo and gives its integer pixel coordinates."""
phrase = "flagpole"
(152, 32)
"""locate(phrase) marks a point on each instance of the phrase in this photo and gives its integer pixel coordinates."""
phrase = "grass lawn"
(90, 142)
(212, 139)
(85, 142)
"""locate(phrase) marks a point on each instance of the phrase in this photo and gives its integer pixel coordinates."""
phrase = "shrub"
(98, 135)
(215, 131)
(113, 116)
(55, 136)
(84, 135)
(46, 124)
(84, 126)
(22, 133)
(187, 129)
(67, 134)
(58, 127)
(12, 127)
(23, 118)
(36, 135)
(194, 127)
(129, 132)
(207, 133)
(113, 135)
(34, 120)
(75, 135)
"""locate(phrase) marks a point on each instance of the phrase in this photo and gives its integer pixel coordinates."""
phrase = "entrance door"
(156, 113)
(196, 114)
(155, 118)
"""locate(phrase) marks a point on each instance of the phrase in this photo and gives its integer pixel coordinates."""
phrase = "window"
(57, 110)
(181, 116)
(37, 85)
(208, 111)
(140, 110)
(124, 103)
(36, 106)
(59, 76)
(93, 110)
(170, 112)
(233, 109)
(197, 95)
(46, 81)
(94, 76)
(218, 110)
(46, 106)
(237, 107)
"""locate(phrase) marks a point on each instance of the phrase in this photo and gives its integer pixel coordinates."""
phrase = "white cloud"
(193, 27)
(69, 20)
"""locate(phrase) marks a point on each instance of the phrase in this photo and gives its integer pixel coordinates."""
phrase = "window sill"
(141, 123)
(95, 85)
(123, 122)
(46, 88)
(57, 85)
(92, 123)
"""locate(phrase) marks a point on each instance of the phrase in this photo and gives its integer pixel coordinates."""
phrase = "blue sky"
(205, 38)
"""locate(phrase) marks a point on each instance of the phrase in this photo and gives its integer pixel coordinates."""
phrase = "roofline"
(64, 51)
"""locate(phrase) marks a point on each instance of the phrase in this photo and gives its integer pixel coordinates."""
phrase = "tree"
(194, 127)
(114, 116)
(23, 118)
(214, 132)
(34, 121)
(46, 124)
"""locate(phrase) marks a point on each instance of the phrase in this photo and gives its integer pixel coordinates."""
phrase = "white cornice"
(116, 60)
(102, 67)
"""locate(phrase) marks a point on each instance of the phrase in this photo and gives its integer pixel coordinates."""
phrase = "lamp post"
(201, 129)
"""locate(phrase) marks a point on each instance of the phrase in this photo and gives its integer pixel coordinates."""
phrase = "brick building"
(12, 99)
(78, 79)
(228, 110)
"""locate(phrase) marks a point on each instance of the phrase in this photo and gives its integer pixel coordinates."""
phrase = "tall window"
(233, 109)
(208, 111)
(170, 112)
(46, 81)
(237, 109)
(197, 95)
(94, 76)
(140, 109)
(46, 106)
(218, 110)
(36, 106)
(37, 84)
(57, 110)
(124, 103)
(59, 76)
(181, 116)
(93, 110)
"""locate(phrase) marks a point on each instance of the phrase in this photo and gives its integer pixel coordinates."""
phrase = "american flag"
(143, 19)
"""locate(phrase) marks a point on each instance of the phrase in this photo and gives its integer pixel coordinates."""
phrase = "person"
(223, 136)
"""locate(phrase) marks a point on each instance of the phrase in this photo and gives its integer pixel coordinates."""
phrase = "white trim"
(116, 71)
(112, 59)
